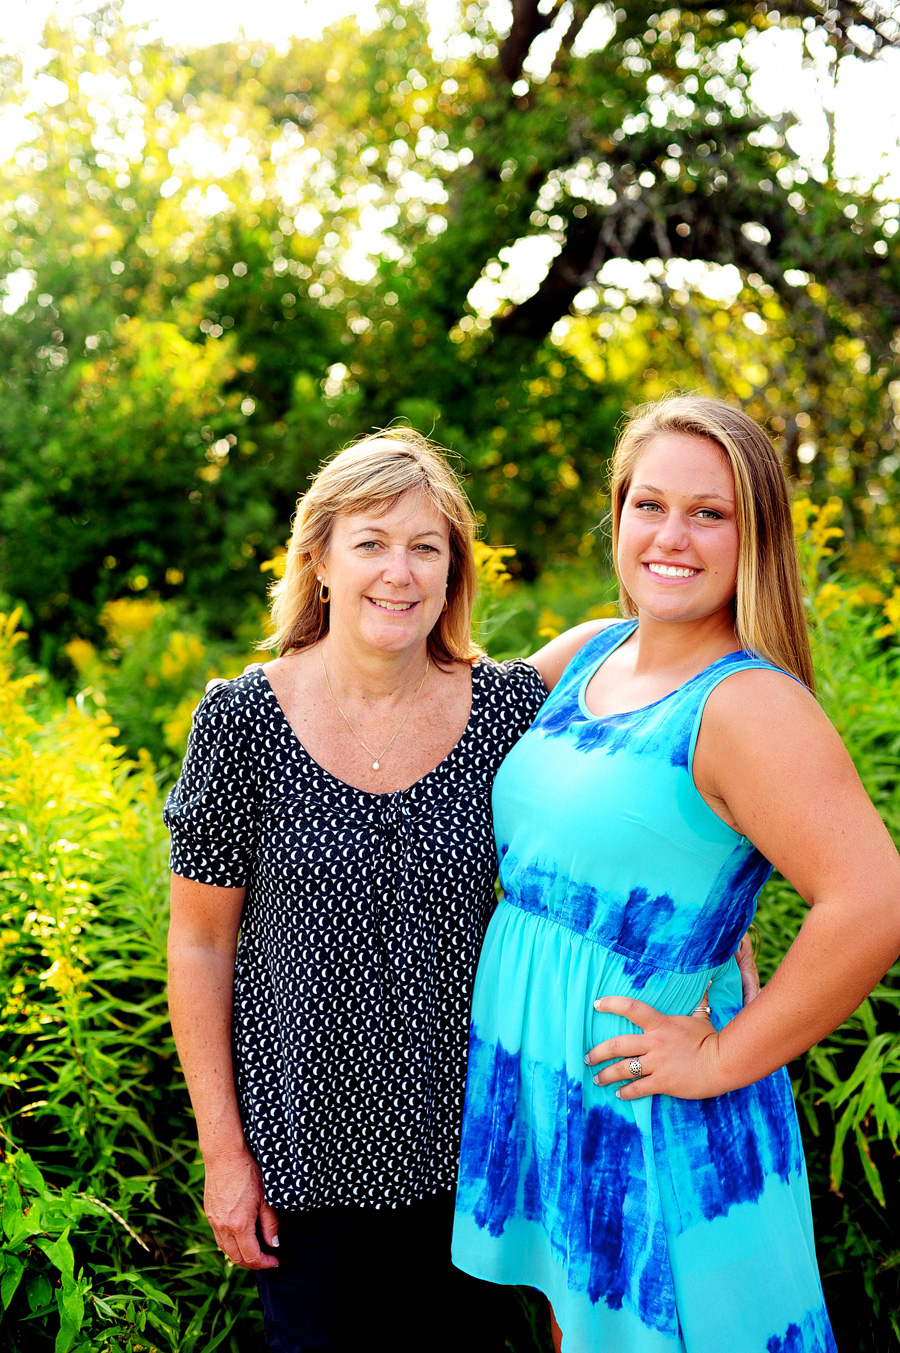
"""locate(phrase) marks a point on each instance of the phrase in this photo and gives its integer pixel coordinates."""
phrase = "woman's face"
(388, 574)
(678, 540)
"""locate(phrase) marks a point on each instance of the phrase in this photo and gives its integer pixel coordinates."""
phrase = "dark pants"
(356, 1278)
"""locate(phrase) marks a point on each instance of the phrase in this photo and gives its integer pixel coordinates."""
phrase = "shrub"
(104, 1246)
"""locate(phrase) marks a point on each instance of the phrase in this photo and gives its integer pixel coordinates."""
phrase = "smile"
(392, 605)
(672, 571)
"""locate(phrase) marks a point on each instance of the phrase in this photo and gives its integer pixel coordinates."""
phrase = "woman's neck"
(676, 645)
(366, 675)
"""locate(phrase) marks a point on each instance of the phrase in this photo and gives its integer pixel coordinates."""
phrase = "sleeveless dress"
(657, 1225)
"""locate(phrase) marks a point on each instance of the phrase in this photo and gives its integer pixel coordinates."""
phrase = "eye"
(368, 546)
(647, 505)
(710, 514)
(426, 549)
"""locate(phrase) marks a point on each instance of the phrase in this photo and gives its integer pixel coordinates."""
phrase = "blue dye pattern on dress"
(812, 1335)
(609, 1238)
(727, 1148)
(619, 879)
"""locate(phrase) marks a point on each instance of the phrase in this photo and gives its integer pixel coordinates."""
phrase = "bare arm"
(202, 940)
(553, 657)
(771, 763)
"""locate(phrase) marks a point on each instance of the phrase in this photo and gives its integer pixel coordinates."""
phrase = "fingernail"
(597, 1004)
(275, 1242)
(587, 1059)
(618, 1094)
(596, 1080)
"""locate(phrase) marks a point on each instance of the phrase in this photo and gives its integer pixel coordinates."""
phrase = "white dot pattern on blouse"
(362, 924)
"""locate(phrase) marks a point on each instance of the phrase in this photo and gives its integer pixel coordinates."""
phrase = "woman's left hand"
(677, 1054)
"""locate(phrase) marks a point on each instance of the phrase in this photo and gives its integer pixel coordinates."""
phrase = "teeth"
(392, 605)
(670, 571)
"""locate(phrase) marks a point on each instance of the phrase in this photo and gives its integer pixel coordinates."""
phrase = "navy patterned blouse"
(362, 923)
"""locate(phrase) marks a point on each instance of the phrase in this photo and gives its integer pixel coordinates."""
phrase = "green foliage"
(205, 320)
(150, 673)
(104, 1246)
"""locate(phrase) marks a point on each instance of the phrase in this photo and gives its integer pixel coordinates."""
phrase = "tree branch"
(528, 23)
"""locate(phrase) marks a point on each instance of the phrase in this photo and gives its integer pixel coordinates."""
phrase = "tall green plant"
(103, 1244)
(848, 1086)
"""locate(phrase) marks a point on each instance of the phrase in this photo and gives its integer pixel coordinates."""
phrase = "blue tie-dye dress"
(658, 1225)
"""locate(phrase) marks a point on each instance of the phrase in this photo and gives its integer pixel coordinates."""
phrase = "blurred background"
(232, 241)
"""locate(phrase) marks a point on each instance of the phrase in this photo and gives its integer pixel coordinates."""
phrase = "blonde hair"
(770, 620)
(370, 476)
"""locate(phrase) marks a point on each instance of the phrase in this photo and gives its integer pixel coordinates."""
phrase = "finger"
(228, 1245)
(747, 967)
(251, 1255)
(638, 1089)
(702, 1009)
(619, 1071)
(638, 1012)
(612, 1049)
(268, 1224)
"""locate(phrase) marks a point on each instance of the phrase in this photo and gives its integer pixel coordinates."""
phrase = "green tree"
(240, 257)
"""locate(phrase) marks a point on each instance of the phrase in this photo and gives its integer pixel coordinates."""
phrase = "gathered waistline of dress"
(710, 965)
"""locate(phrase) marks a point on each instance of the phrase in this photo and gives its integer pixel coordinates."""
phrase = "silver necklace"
(376, 763)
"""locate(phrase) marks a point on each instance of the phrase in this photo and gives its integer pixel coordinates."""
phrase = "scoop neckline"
(355, 789)
(641, 709)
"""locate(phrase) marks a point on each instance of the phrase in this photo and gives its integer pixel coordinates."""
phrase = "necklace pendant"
(375, 765)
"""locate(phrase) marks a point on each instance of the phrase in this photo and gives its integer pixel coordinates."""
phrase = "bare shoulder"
(771, 764)
(291, 671)
(760, 724)
(765, 704)
(553, 657)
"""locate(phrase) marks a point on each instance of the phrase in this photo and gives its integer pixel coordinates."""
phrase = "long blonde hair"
(770, 620)
(370, 476)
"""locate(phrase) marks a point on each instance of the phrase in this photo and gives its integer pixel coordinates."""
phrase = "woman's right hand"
(234, 1202)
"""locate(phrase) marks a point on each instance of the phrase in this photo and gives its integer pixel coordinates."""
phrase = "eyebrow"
(695, 497)
(375, 530)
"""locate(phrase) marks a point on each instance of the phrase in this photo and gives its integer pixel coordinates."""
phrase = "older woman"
(333, 874)
(638, 1162)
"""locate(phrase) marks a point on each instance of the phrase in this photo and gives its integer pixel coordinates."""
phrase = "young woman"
(630, 1144)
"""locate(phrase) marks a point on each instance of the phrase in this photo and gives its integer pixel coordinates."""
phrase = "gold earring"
(444, 607)
(324, 592)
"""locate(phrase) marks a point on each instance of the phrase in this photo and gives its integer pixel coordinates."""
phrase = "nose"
(396, 567)
(672, 533)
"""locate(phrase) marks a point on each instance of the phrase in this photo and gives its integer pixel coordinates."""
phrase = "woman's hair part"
(371, 475)
(770, 619)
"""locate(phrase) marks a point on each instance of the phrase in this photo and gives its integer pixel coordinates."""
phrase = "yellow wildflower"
(490, 565)
(128, 617)
(81, 654)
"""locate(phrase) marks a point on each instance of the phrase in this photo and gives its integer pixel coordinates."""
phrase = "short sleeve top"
(362, 922)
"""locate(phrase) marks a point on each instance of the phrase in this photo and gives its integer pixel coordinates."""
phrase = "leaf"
(195, 1327)
(869, 1168)
(12, 1211)
(59, 1252)
(39, 1291)
(837, 1150)
(11, 1278)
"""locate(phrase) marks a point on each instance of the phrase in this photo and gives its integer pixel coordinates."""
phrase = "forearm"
(839, 955)
(200, 1005)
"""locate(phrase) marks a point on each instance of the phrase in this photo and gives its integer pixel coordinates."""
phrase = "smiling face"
(387, 572)
(677, 551)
